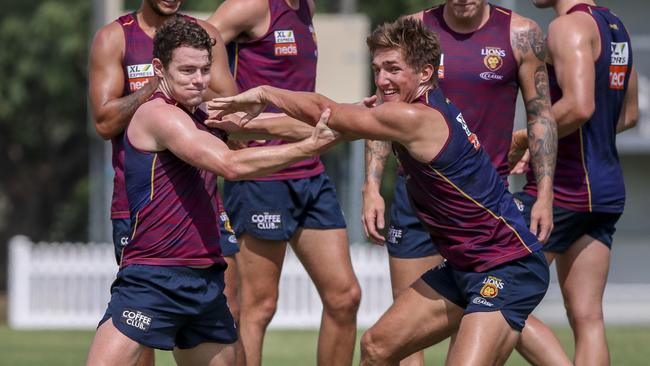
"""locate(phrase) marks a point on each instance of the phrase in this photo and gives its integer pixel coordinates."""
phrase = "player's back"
(588, 174)
(173, 206)
(479, 73)
(462, 200)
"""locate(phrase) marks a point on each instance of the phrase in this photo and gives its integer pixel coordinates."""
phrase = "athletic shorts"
(227, 239)
(569, 226)
(274, 210)
(406, 237)
(514, 288)
(171, 306)
(121, 236)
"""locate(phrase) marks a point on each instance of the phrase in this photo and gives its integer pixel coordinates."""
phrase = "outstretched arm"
(530, 51)
(157, 127)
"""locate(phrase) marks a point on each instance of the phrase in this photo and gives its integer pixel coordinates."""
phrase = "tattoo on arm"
(531, 39)
(376, 155)
(542, 129)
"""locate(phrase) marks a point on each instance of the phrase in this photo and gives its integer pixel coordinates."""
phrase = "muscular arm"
(528, 45)
(222, 84)
(630, 110)
(241, 19)
(572, 42)
(112, 111)
(157, 126)
(267, 126)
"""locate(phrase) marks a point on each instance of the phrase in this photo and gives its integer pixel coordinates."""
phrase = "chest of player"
(480, 65)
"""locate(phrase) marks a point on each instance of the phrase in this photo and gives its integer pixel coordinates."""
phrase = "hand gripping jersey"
(462, 201)
(174, 206)
(478, 73)
(588, 175)
(284, 57)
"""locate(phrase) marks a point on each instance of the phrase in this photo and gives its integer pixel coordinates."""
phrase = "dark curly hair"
(418, 44)
(180, 31)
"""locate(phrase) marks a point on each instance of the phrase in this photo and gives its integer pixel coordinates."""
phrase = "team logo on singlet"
(138, 75)
(519, 204)
(266, 220)
(618, 65)
(136, 319)
(473, 139)
(285, 43)
(491, 287)
(493, 60)
(441, 67)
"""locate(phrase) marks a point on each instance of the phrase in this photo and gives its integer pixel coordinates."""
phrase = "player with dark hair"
(169, 290)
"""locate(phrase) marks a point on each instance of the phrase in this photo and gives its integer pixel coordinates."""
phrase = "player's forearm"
(113, 117)
(306, 107)
(542, 134)
(376, 155)
(284, 127)
(260, 161)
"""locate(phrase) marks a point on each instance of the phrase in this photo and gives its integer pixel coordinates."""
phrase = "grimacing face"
(187, 75)
(394, 78)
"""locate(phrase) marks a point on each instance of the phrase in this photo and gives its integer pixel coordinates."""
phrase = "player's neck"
(166, 90)
(562, 7)
(422, 90)
(149, 20)
(466, 25)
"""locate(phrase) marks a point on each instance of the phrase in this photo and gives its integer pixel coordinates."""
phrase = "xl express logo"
(618, 65)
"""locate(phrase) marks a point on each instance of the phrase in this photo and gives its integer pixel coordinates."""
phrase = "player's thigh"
(405, 271)
(111, 347)
(325, 254)
(418, 318)
(206, 354)
(259, 265)
(483, 338)
(582, 273)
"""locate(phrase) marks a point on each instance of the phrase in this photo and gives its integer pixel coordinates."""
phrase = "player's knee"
(582, 316)
(345, 303)
(372, 351)
(261, 311)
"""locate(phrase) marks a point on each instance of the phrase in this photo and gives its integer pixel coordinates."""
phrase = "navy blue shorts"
(121, 236)
(274, 210)
(171, 306)
(406, 237)
(569, 226)
(515, 288)
(227, 239)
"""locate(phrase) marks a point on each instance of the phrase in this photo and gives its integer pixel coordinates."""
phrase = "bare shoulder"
(575, 23)
(249, 11)
(109, 37)
(526, 38)
(211, 29)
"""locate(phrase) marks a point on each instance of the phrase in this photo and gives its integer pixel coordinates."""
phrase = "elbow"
(584, 111)
(234, 172)
(103, 131)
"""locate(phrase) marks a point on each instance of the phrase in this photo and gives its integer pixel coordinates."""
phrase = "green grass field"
(630, 346)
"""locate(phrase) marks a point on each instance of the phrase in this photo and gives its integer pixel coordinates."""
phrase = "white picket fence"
(66, 286)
